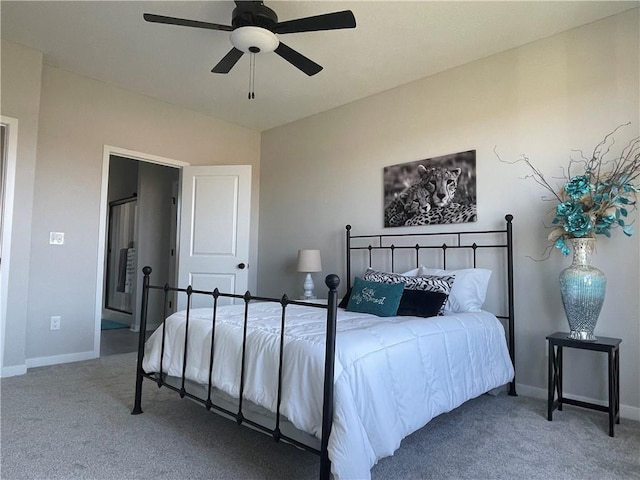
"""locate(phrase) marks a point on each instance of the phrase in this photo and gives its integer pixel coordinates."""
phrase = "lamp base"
(308, 288)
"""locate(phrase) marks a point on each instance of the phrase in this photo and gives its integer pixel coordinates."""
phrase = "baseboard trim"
(13, 371)
(57, 359)
(626, 411)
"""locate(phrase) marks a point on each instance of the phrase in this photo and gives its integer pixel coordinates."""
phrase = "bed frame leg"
(512, 334)
(137, 407)
(325, 467)
(332, 281)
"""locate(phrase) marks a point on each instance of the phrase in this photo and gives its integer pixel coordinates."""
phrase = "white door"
(214, 230)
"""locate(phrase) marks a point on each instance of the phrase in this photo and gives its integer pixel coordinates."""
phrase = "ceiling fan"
(253, 30)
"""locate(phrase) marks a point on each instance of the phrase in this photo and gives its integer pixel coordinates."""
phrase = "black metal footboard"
(332, 282)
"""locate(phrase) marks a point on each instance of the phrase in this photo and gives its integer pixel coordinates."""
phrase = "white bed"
(392, 375)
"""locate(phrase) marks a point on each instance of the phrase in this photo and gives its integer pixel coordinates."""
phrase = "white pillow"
(412, 273)
(469, 289)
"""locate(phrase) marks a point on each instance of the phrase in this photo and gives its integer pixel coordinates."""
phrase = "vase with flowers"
(591, 202)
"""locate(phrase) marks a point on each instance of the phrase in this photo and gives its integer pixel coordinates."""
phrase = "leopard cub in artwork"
(412, 201)
(430, 201)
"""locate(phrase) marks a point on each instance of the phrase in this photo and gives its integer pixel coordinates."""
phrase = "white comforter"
(392, 375)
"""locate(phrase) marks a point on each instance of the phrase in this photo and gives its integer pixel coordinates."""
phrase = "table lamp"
(308, 262)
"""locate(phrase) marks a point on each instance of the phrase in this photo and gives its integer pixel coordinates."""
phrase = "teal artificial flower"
(578, 186)
(578, 225)
(604, 224)
(567, 209)
(560, 245)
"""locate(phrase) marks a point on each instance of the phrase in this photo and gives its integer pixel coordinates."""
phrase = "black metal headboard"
(472, 241)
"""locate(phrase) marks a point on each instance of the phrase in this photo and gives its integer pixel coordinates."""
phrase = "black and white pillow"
(428, 283)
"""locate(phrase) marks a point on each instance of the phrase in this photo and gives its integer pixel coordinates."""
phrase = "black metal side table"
(611, 346)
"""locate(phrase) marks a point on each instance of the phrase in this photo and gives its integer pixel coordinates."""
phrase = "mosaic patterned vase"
(582, 288)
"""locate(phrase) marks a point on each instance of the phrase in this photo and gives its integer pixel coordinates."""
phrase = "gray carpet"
(73, 422)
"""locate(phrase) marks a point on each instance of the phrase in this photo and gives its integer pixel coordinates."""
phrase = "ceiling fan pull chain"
(249, 93)
(252, 76)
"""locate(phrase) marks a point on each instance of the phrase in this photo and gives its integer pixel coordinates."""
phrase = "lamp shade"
(309, 261)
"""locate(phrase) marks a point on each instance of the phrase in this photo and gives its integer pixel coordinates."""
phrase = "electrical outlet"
(54, 323)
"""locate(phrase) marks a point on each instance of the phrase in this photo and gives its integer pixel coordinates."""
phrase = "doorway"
(141, 230)
(211, 211)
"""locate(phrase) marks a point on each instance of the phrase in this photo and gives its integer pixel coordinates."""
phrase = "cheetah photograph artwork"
(434, 191)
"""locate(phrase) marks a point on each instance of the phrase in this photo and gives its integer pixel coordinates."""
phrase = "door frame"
(107, 151)
(6, 203)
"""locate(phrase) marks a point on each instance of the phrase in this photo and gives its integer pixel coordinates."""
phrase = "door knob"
(241, 266)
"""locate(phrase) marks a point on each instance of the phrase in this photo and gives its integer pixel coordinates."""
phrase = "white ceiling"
(395, 42)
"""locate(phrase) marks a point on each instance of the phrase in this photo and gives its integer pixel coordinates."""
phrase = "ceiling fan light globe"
(248, 39)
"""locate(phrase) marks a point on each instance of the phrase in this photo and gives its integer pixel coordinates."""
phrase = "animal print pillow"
(429, 283)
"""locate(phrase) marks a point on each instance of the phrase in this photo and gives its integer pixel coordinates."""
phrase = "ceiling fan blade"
(229, 60)
(183, 22)
(298, 60)
(327, 21)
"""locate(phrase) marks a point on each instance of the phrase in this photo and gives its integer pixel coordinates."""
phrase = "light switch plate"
(56, 238)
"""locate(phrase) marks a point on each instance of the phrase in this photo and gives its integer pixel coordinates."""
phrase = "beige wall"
(544, 99)
(20, 88)
(77, 117)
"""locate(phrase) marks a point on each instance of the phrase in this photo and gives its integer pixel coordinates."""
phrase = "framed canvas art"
(439, 190)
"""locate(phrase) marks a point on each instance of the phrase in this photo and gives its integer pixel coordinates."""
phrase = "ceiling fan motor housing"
(253, 14)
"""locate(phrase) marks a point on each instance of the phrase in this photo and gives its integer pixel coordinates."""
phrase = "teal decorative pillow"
(381, 299)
